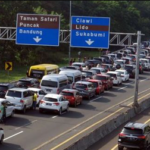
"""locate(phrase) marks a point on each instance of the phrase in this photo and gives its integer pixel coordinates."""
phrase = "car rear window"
(49, 83)
(88, 73)
(23, 82)
(132, 131)
(67, 93)
(97, 71)
(100, 77)
(14, 94)
(104, 66)
(82, 86)
(128, 67)
(95, 84)
(50, 99)
(37, 74)
(111, 74)
(3, 88)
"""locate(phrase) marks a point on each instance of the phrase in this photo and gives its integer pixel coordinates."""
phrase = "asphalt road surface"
(110, 141)
(33, 131)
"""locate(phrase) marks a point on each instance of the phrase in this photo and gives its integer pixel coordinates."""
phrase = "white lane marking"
(54, 116)
(25, 125)
(128, 83)
(122, 88)
(143, 80)
(13, 135)
(96, 99)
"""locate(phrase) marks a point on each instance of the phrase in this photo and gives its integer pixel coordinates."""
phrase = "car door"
(41, 94)
(62, 104)
(9, 108)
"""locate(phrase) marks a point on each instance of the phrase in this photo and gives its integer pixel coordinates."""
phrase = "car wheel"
(67, 109)
(12, 114)
(118, 83)
(60, 111)
(75, 104)
(81, 102)
(40, 111)
(120, 147)
(2, 138)
(89, 97)
(24, 110)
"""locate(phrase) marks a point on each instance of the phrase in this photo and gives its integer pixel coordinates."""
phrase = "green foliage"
(126, 16)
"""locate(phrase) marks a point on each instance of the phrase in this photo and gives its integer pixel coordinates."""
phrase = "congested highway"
(49, 131)
(110, 141)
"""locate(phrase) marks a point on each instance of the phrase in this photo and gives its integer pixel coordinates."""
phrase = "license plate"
(48, 104)
(49, 90)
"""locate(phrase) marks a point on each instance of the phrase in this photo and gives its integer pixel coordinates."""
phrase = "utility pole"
(70, 33)
(135, 103)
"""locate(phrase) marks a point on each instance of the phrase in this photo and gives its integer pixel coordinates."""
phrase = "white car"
(113, 56)
(120, 62)
(9, 108)
(80, 64)
(1, 135)
(146, 63)
(53, 102)
(40, 93)
(116, 77)
(124, 74)
(22, 98)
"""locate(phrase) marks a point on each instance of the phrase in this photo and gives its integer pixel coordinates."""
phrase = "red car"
(72, 96)
(98, 85)
(106, 80)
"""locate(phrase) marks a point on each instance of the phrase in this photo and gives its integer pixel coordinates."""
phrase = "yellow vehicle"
(38, 71)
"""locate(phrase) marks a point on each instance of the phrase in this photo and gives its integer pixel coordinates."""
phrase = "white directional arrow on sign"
(37, 39)
(89, 42)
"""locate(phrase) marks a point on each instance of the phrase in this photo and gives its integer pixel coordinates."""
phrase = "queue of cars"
(58, 89)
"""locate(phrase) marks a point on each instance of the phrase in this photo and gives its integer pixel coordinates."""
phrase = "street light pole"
(135, 103)
(70, 33)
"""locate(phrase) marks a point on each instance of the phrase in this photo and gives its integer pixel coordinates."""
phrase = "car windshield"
(70, 79)
(23, 82)
(14, 94)
(143, 61)
(49, 83)
(119, 55)
(3, 88)
(100, 77)
(121, 72)
(132, 131)
(49, 99)
(81, 86)
(71, 68)
(67, 93)
(104, 66)
(76, 65)
(37, 74)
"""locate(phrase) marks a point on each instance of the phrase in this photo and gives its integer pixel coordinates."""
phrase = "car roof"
(27, 79)
(80, 63)
(103, 75)
(34, 89)
(83, 82)
(69, 90)
(129, 65)
(93, 80)
(121, 70)
(113, 72)
(2, 99)
(135, 125)
(53, 95)
(18, 89)
(4, 84)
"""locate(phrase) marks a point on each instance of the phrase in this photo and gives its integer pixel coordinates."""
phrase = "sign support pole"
(70, 32)
(135, 103)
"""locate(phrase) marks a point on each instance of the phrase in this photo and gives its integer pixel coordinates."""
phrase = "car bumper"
(131, 146)
(48, 109)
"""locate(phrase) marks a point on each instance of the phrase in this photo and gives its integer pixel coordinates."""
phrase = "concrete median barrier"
(106, 128)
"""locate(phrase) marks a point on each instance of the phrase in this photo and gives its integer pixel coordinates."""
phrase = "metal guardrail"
(116, 39)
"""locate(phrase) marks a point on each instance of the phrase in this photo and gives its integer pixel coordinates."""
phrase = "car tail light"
(0, 111)
(121, 134)
(142, 137)
(73, 98)
(86, 88)
(73, 85)
(5, 91)
(21, 101)
(56, 104)
(58, 91)
(41, 101)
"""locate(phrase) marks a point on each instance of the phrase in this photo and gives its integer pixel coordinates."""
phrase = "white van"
(73, 76)
(54, 83)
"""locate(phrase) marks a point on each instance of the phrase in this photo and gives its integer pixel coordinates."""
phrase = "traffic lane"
(90, 107)
(110, 141)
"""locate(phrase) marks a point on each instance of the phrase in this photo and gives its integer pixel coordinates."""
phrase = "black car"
(134, 135)
(4, 87)
(28, 82)
(131, 70)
